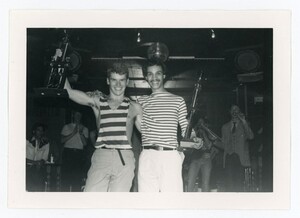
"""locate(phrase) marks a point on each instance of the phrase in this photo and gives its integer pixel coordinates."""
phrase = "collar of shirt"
(43, 142)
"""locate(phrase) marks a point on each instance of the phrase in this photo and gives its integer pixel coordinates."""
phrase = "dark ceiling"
(216, 56)
(113, 42)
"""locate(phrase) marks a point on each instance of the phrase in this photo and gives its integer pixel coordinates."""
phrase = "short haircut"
(117, 67)
(73, 112)
(234, 105)
(154, 63)
(36, 125)
(204, 118)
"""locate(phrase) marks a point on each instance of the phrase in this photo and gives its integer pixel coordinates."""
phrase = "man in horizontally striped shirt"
(113, 163)
(160, 163)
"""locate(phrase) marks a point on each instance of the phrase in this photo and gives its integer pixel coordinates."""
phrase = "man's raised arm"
(78, 96)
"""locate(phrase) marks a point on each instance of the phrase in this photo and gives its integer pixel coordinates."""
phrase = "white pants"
(160, 171)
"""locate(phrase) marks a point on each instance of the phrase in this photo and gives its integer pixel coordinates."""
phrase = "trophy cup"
(59, 67)
(186, 142)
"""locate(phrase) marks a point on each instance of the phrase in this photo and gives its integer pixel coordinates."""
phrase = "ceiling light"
(138, 39)
(213, 35)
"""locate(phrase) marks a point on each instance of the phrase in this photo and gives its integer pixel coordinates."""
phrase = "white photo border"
(279, 21)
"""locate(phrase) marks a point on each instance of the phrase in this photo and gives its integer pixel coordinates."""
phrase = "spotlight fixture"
(138, 39)
(213, 35)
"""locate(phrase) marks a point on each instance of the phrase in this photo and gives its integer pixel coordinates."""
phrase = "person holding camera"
(74, 138)
(235, 136)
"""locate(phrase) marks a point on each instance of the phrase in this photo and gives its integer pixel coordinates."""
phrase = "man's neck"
(236, 120)
(159, 90)
(76, 122)
(115, 98)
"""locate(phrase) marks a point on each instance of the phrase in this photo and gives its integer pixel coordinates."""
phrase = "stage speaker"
(247, 61)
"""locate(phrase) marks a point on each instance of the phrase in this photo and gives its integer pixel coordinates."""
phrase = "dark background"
(236, 67)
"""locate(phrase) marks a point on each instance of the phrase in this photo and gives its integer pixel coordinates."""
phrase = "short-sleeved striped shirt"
(162, 112)
(112, 131)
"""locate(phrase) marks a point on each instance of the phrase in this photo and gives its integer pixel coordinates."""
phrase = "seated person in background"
(74, 136)
(201, 160)
(37, 151)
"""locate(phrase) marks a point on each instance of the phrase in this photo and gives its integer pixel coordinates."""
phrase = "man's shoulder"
(168, 95)
(174, 96)
(28, 143)
(127, 99)
(67, 127)
(96, 94)
(178, 97)
(134, 106)
(143, 97)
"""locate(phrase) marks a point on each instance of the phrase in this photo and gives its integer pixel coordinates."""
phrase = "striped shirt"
(162, 112)
(112, 131)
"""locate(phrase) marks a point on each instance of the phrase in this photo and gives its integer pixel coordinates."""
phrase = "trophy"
(186, 142)
(60, 65)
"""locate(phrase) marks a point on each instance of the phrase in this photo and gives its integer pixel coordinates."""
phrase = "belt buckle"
(157, 147)
(160, 148)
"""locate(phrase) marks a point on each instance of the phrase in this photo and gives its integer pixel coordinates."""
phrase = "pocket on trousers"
(182, 156)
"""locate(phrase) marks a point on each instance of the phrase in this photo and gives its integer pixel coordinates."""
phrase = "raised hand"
(58, 53)
(241, 116)
(80, 129)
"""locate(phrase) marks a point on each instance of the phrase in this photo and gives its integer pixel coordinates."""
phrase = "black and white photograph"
(150, 110)
(82, 82)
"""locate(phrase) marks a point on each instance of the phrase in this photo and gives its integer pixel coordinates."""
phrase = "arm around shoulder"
(137, 114)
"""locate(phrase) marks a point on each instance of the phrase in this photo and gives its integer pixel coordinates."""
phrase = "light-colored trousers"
(160, 171)
(107, 174)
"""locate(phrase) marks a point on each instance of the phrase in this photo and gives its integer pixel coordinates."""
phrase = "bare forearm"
(136, 112)
(67, 138)
(78, 96)
(83, 139)
(206, 142)
(35, 162)
(138, 121)
(248, 131)
(93, 137)
(218, 144)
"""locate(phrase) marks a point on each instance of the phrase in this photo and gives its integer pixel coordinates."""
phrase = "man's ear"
(127, 82)
(107, 81)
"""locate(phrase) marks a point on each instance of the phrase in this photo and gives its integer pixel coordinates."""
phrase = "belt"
(116, 148)
(160, 148)
(119, 152)
(74, 149)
